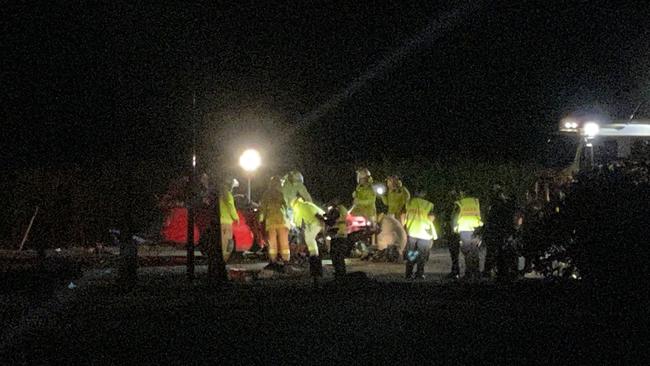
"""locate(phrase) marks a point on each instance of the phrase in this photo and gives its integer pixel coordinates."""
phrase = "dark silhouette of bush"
(607, 212)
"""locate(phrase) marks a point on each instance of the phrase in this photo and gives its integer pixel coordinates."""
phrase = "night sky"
(113, 81)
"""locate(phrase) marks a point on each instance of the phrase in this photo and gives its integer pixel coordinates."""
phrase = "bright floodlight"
(591, 129)
(250, 160)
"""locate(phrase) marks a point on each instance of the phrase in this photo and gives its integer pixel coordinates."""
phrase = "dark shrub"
(608, 211)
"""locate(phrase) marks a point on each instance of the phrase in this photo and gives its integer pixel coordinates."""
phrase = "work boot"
(419, 272)
(471, 275)
(315, 266)
(338, 258)
(487, 274)
(280, 267)
(339, 266)
(452, 276)
(409, 270)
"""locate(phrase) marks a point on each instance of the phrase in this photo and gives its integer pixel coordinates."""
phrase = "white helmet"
(230, 183)
(363, 173)
(295, 176)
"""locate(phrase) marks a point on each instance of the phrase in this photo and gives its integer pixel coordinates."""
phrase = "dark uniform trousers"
(417, 253)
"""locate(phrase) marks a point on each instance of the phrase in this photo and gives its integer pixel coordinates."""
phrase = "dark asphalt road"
(165, 320)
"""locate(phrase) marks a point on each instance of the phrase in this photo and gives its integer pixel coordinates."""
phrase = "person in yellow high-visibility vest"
(309, 217)
(273, 213)
(364, 197)
(421, 233)
(293, 185)
(467, 217)
(228, 215)
(396, 197)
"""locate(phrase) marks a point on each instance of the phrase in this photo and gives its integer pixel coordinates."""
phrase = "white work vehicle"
(608, 140)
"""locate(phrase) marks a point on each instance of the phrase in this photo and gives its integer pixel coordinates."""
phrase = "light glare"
(570, 124)
(250, 160)
(591, 129)
(379, 188)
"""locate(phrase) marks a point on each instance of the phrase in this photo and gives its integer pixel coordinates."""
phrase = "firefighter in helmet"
(364, 197)
(396, 197)
(293, 185)
(309, 218)
(273, 213)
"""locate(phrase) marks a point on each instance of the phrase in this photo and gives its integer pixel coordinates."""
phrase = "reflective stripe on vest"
(469, 216)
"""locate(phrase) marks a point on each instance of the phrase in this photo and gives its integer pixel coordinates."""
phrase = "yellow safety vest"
(469, 214)
(418, 224)
(227, 210)
(364, 202)
(396, 200)
(305, 212)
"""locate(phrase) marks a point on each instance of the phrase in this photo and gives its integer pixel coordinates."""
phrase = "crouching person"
(309, 218)
(391, 239)
(421, 233)
(273, 213)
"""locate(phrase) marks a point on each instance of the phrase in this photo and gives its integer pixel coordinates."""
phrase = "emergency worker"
(396, 197)
(499, 227)
(273, 213)
(340, 245)
(421, 233)
(453, 240)
(309, 217)
(364, 197)
(533, 236)
(293, 185)
(467, 218)
(228, 216)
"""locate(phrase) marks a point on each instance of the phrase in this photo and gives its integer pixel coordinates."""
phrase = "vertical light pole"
(250, 160)
(191, 199)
